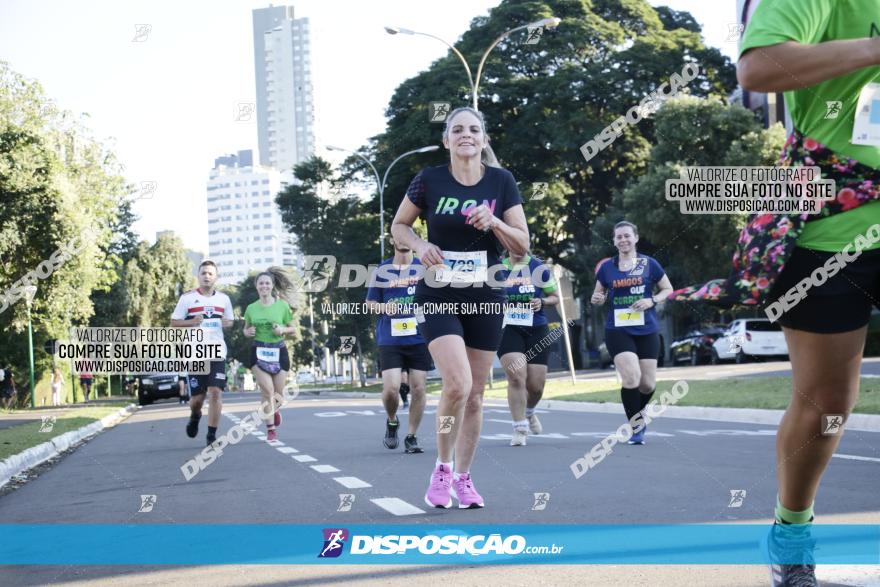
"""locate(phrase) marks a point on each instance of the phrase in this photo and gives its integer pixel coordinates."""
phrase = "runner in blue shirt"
(631, 329)
(401, 346)
(529, 288)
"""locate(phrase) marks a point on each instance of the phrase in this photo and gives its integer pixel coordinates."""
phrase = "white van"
(749, 338)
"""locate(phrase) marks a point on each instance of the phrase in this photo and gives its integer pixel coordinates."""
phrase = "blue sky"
(169, 100)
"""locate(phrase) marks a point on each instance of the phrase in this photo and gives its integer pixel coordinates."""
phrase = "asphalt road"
(327, 447)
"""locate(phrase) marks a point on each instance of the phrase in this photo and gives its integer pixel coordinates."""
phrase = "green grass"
(752, 392)
(745, 392)
(17, 438)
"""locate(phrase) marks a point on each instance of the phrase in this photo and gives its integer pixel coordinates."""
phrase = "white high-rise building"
(282, 66)
(245, 232)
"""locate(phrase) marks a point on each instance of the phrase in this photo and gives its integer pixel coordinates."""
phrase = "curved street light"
(381, 185)
(550, 23)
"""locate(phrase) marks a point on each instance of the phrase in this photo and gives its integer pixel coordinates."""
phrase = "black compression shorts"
(645, 346)
(522, 339)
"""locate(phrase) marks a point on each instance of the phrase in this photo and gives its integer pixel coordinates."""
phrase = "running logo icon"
(539, 190)
(541, 500)
(346, 500)
(438, 111)
(735, 343)
(316, 273)
(639, 266)
(47, 423)
(334, 540)
(141, 32)
(737, 496)
(346, 345)
(734, 31)
(832, 108)
(147, 503)
(244, 111)
(534, 34)
(148, 188)
(832, 424)
(446, 423)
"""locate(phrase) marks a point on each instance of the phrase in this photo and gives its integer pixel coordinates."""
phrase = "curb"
(856, 422)
(31, 457)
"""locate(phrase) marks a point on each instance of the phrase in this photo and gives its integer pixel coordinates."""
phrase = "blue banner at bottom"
(422, 544)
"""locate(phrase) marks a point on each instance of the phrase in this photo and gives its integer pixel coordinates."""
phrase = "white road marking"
(396, 506)
(856, 458)
(325, 468)
(553, 435)
(287, 450)
(351, 482)
(276, 443)
(606, 434)
(304, 458)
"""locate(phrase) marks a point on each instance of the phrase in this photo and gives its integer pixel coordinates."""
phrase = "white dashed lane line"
(396, 506)
(286, 450)
(351, 482)
(325, 468)
(304, 458)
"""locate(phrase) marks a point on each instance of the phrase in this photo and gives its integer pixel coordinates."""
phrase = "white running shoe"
(535, 424)
(519, 437)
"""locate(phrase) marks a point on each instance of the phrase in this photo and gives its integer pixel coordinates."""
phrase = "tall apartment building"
(245, 232)
(282, 66)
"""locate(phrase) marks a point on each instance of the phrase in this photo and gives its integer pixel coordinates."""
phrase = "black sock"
(195, 415)
(212, 431)
(645, 398)
(630, 398)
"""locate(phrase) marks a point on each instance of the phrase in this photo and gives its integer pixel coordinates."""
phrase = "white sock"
(530, 412)
(455, 476)
(521, 424)
(447, 465)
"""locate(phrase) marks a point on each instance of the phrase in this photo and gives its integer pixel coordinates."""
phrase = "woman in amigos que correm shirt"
(631, 329)
(817, 274)
(267, 320)
(473, 210)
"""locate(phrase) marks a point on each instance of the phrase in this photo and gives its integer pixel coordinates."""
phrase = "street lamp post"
(549, 23)
(30, 292)
(381, 185)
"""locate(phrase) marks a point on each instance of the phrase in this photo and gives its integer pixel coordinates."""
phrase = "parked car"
(305, 376)
(153, 386)
(750, 338)
(695, 347)
(606, 361)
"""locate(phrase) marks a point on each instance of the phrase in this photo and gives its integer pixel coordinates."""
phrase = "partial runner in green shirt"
(826, 111)
(264, 318)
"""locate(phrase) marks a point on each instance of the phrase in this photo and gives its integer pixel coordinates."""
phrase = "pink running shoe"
(464, 492)
(440, 488)
(271, 435)
(277, 418)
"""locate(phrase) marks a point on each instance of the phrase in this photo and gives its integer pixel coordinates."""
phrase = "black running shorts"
(476, 317)
(199, 384)
(841, 304)
(410, 356)
(522, 339)
(645, 346)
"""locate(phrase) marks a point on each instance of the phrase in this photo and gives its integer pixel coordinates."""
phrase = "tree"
(543, 101)
(154, 278)
(690, 132)
(340, 226)
(56, 181)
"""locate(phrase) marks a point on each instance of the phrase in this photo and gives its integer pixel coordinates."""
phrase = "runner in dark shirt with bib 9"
(473, 210)
(392, 292)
